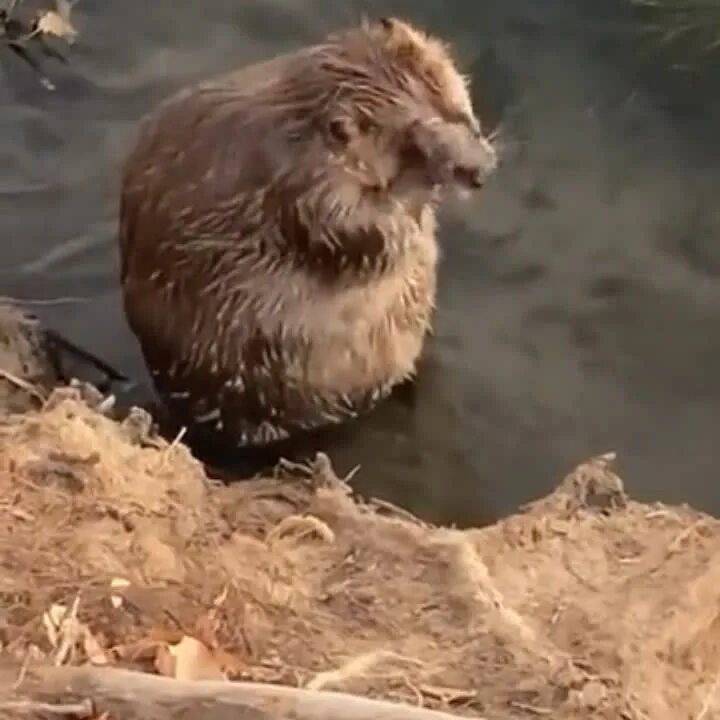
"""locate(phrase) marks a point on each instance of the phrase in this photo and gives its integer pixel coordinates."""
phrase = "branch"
(141, 696)
(82, 709)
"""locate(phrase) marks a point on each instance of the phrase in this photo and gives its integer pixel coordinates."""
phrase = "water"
(579, 309)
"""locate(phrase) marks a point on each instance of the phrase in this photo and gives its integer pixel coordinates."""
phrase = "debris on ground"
(118, 553)
(23, 28)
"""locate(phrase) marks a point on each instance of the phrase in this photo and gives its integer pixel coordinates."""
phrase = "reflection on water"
(579, 305)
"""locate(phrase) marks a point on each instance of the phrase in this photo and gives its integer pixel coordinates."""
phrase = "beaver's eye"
(412, 152)
(340, 130)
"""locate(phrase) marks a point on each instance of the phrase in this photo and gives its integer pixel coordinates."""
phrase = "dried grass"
(586, 605)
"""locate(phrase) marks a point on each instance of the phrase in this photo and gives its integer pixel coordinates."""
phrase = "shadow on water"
(579, 306)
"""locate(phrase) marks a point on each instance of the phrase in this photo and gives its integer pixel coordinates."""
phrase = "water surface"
(579, 307)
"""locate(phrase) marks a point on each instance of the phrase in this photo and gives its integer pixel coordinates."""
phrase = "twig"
(163, 459)
(69, 632)
(82, 709)
(532, 709)
(44, 301)
(391, 508)
(178, 438)
(300, 526)
(106, 405)
(356, 667)
(135, 696)
(22, 384)
(23, 671)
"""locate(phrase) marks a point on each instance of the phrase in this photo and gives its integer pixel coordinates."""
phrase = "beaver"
(277, 230)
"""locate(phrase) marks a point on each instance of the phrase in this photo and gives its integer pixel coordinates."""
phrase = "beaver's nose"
(473, 177)
(482, 163)
(477, 179)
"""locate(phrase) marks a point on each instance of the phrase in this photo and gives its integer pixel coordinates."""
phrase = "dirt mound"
(585, 605)
(117, 550)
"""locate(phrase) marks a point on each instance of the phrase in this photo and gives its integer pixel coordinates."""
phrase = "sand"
(586, 604)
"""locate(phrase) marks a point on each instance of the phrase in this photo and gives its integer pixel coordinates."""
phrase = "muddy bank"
(116, 550)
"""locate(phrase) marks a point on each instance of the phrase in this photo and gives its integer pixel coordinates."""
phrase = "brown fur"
(277, 230)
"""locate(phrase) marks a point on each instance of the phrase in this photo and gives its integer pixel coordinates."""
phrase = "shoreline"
(585, 604)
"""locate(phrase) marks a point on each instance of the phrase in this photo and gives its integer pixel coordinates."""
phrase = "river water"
(579, 307)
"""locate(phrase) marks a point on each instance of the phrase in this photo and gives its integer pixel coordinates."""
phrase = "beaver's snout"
(473, 177)
(477, 163)
(455, 153)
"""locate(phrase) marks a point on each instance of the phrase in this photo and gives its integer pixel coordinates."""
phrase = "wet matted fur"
(278, 234)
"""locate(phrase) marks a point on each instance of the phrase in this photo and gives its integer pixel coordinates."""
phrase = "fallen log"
(129, 695)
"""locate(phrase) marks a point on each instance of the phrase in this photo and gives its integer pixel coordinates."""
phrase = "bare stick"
(22, 384)
(141, 696)
(82, 709)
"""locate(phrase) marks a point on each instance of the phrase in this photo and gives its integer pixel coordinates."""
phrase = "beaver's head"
(345, 144)
(397, 117)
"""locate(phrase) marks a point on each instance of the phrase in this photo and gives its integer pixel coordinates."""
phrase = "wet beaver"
(277, 230)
